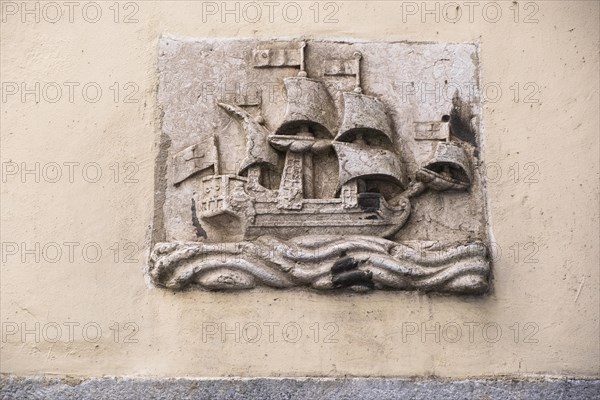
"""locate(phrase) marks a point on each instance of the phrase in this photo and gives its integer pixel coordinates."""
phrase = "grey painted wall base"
(15, 388)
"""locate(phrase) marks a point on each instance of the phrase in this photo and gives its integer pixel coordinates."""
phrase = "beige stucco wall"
(550, 208)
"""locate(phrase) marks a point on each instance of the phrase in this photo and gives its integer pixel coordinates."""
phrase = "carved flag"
(431, 130)
(194, 159)
(263, 58)
(341, 67)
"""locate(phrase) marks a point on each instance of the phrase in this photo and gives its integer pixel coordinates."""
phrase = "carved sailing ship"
(316, 196)
(371, 198)
(242, 203)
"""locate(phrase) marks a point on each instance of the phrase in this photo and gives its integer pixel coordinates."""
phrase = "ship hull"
(370, 215)
(319, 217)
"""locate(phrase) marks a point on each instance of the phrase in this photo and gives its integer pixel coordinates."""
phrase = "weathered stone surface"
(282, 159)
(301, 389)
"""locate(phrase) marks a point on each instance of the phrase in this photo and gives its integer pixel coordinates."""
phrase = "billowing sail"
(366, 115)
(448, 169)
(258, 150)
(358, 161)
(308, 104)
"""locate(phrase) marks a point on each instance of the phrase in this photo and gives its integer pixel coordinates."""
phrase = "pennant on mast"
(280, 57)
(344, 67)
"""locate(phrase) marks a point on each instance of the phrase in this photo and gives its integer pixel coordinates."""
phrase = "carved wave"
(322, 262)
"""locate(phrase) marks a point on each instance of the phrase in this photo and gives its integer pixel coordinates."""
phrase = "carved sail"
(365, 115)
(448, 169)
(357, 161)
(308, 104)
(258, 150)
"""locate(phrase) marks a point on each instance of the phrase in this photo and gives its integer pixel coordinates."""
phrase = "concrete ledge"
(18, 388)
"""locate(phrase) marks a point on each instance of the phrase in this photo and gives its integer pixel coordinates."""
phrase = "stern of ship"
(222, 203)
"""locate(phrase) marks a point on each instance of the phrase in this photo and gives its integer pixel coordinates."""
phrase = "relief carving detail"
(328, 180)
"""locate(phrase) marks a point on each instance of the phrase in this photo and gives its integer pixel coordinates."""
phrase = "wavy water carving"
(321, 262)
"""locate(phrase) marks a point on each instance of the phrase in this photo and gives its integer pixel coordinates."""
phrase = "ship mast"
(308, 175)
(362, 144)
(310, 114)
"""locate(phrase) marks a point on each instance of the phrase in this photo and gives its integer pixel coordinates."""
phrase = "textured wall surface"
(74, 244)
(301, 389)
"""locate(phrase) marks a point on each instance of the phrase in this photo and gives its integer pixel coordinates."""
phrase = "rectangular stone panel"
(322, 164)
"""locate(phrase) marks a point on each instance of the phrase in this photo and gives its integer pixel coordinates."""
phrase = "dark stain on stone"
(369, 202)
(344, 264)
(460, 122)
(353, 278)
(345, 273)
(200, 232)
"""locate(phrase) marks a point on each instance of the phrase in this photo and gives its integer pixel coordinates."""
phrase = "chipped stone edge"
(50, 388)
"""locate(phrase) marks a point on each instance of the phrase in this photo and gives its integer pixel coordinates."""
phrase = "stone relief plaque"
(319, 164)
